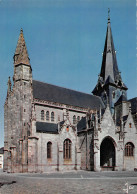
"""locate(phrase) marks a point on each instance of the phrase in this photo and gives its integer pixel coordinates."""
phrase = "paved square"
(69, 182)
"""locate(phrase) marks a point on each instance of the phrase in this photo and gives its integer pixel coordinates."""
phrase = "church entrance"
(107, 154)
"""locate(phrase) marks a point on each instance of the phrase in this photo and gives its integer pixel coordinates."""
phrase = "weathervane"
(108, 14)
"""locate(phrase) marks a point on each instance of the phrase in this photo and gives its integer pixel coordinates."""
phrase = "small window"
(52, 116)
(47, 116)
(74, 119)
(129, 149)
(42, 115)
(78, 118)
(49, 150)
(67, 149)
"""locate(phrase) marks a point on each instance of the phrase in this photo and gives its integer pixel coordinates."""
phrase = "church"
(51, 128)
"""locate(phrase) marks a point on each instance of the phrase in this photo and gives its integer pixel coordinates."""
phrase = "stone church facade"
(49, 128)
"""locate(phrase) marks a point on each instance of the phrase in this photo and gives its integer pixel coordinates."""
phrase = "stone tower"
(110, 85)
(18, 111)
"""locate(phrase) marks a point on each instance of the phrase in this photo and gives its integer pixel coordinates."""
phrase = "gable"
(107, 124)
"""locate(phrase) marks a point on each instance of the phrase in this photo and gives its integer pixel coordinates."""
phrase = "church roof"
(44, 127)
(133, 105)
(49, 92)
(21, 53)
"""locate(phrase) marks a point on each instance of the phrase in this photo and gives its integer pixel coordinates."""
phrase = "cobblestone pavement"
(80, 182)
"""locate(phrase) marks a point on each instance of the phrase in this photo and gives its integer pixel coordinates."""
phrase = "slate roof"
(49, 92)
(2, 150)
(109, 68)
(109, 64)
(121, 99)
(109, 80)
(125, 118)
(81, 124)
(43, 127)
(133, 105)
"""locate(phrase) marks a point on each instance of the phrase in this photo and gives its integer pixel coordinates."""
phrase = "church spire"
(109, 68)
(21, 54)
(109, 86)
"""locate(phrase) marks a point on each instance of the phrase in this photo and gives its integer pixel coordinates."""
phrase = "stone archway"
(107, 154)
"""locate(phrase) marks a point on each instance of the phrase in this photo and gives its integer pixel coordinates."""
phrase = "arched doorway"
(107, 154)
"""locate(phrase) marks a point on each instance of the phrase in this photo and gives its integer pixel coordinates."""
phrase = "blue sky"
(65, 41)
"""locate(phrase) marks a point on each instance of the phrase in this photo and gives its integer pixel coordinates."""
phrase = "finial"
(108, 15)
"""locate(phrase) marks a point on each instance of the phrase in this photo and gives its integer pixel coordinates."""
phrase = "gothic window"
(42, 115)
(52, 116)
(129, 149)
(49, 150)
(78, 118)
(67, 149)
(74, 119)
(47, 116)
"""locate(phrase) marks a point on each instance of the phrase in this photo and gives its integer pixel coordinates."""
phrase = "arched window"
(42, 115)
(47, 116)
(52, 116)
(129, 149)
(74, 119)
(49, 150)
(67, 149)
(78, 118)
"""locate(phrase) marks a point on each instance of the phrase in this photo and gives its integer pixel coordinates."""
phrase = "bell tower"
(18, 111)
(110, 85)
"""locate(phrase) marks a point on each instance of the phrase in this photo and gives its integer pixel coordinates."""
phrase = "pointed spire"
(109, 62)
(21, 54)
